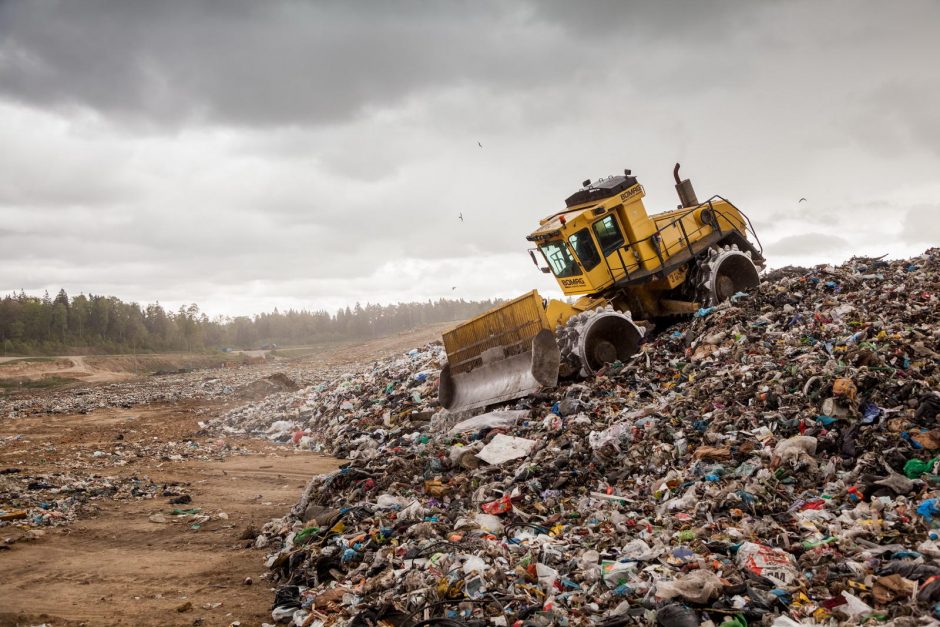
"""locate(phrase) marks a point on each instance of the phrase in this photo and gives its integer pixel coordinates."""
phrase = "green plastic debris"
(737, 620)
(305, 533)
(881, 617)
(808, 544)
(914, 468)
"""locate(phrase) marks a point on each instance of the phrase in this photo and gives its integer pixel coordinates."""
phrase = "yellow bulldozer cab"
(593, 246)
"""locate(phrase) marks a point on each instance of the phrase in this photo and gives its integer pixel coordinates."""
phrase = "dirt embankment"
(341, 353)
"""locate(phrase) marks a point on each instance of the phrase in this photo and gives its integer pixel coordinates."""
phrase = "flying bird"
(802, 200)
(453, 288)
(460, 215)
(479, 144)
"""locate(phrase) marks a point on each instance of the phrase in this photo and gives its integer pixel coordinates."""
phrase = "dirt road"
(127, 560)
(85, 369)
(122, 569)
(119, 567)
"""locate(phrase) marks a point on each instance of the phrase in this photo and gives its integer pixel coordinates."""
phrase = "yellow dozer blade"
(505, 353)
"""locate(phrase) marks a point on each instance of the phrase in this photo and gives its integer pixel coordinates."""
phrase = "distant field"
(297, 351)
(340, 352)
(25, 373)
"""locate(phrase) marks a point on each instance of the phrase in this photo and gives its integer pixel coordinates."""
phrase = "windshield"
(561, 261)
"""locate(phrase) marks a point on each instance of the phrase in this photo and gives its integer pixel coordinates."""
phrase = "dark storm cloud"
(316, 63)
(256, 152)
(257, 63)
(273, 63)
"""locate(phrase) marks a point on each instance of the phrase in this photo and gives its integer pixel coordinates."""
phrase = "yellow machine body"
(594, 247)
(622, 264)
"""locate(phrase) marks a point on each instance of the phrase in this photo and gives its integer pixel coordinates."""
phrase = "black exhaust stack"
(684, 189)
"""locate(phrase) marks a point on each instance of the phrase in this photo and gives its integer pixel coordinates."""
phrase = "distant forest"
(105, 324)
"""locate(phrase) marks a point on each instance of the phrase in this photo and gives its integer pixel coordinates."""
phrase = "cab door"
(596, 270)
(610, 238)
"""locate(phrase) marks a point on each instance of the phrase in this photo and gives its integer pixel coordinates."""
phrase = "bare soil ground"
(120, 568)
(69, 367)
(86, 369)
(117, 566)
(105, 368)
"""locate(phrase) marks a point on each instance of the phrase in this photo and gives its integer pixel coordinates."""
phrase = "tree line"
(105, 324)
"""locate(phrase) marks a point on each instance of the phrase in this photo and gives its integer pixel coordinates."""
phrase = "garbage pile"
(329, 417)
(775, 460)
(33, 498)
(220, 383)
(53, 499)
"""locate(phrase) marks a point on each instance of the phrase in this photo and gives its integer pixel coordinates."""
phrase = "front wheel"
(598, 337)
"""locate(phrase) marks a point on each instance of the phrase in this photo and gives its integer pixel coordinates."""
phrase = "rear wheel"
(724, 272)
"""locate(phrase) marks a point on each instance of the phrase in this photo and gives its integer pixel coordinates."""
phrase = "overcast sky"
(247, 155)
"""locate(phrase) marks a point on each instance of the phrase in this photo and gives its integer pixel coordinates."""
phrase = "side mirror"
(544, 270)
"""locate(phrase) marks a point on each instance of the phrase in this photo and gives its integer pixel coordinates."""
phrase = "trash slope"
(772, 460)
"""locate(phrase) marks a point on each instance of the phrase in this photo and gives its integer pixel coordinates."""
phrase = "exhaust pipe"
(687, 196)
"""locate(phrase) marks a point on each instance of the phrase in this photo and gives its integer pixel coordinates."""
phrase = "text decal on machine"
(633, 191)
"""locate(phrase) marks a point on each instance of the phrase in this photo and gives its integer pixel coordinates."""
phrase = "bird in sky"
(453, 288)
(479, 144)
(460, 215)
(802, 200)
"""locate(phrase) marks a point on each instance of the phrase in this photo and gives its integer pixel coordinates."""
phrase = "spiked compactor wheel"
(724, 272)
(597, 337)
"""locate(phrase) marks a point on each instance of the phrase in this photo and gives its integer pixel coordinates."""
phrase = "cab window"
(608, 234)
(585, 249)
(562, 263)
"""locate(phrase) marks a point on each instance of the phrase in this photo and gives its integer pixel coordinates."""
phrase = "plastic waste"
(490, 420)
(675, 615)
(699, 586)
(773, 564)
(503, 448)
